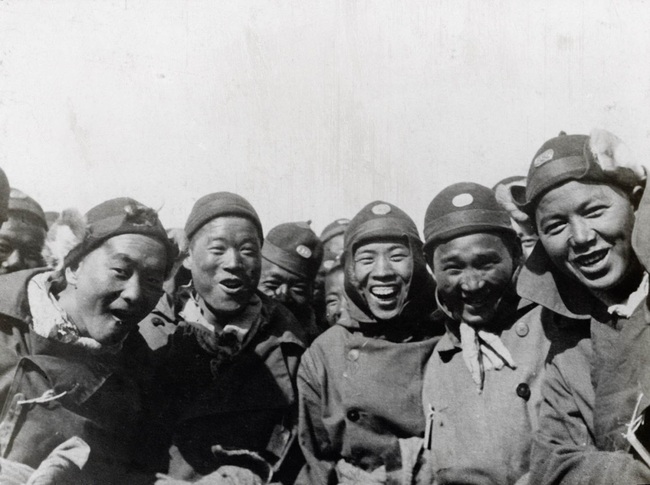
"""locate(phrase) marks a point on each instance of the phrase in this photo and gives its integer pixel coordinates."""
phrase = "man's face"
(115, 286)
(224, 258)
(335, 302)
(586, 230)
(472, 273)
(383, 272)
(284, 286)
(21, 243)
(527, 236)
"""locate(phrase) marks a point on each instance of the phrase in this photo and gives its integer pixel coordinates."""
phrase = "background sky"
(309, 109)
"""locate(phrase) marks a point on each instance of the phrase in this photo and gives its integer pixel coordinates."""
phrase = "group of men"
(506, 346)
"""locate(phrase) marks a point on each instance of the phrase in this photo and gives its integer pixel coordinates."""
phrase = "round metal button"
(522, 329)
(523, 391)
(353, 415)
(157, 322)
(353, 354)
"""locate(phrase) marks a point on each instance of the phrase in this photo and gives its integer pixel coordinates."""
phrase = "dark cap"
(379, 220)
(565, 158)
(333, 229)
(116, 217)
(220, 204)
(4, 196)
(460, 209)
(294, 247)
(22, 205)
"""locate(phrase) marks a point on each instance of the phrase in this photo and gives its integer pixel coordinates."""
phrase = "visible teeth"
(591, 258)
(383, 290)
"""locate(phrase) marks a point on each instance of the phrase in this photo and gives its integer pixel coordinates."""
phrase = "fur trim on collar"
(68, 231)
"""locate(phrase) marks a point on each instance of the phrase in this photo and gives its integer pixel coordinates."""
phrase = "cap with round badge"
(333, 229)
(460, 209)
(294, 247)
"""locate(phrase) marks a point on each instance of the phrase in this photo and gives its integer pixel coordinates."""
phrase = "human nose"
(132, 290)
(472, 281)
(382, 267)
(231, 259)
(282, 293)
(581, 232)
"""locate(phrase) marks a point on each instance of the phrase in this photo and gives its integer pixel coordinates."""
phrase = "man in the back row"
(228, 372)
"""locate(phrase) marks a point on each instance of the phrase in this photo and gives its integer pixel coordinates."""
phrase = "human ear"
(71, 275)
(188, 262)
(635, 196)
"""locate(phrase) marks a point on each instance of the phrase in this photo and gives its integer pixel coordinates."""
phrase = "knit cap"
(116, 217)
(601, 157)
(460, 209)
(294, 247)
(220, 204)
(23, 206)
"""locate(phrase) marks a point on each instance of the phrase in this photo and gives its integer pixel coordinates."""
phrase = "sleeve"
(312, 434)
(564, 450)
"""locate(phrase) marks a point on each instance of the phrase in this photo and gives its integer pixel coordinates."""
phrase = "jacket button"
(157, 322)
(353, 354)
(523, 391)
(522, 329)
(353, 415)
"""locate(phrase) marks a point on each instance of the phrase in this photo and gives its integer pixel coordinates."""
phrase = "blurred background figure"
(51, 217)
(336, 306)
(22, 235)
(291, 256)
(520, 221)
(4, 196)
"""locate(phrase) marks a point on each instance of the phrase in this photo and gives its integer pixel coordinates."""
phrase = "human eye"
(553, 227)
(299, 290)
(364, 258)
(217, 248)
(249, 250)
(595, 210)
(121, 271)
(399, 255)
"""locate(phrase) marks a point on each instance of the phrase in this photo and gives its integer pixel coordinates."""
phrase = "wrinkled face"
(472, 273)
(383, 272)
(284, 286)
(586, 230)
(115, 286)
(21, 243)
(527, 236)
(335, 303)
(224, 258)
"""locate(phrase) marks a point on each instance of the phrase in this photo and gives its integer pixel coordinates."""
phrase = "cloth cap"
(561, 159)
(23, 205)
(220, 204)
(294, 247)
(116, 217)
(460, 209)
(334, 229)
(4, 196)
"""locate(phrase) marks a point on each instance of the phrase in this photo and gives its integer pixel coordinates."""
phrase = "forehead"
(334, 278)
(17, 227)
(135, 248)
(229, 227)
(381, 244)
(471, 245)
(572, 194)
(272, 270)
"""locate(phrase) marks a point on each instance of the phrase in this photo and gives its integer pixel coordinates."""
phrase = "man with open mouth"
(360, 382)
(227, 375)
(482, 383)
(582, 192)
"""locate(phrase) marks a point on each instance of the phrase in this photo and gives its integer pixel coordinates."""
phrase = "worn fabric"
(486, 437)
(597, 368)
(235, 388)
(358, 396)
(52, 391)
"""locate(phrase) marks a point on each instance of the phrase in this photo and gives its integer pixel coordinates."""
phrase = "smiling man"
(582, 193)
(360, 382)
(482, 384)
(228, 372)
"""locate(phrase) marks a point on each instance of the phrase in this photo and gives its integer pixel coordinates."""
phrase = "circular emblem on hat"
(462, 200)
(381, 209)
(521, 329)
(304, 251)
(328, 264)
(543, 157)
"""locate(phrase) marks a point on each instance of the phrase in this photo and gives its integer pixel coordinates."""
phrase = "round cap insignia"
(381, 209)
(462, 200)
(543, 157)
(304, 251)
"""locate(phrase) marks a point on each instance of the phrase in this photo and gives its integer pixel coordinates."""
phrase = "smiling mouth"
(384, 292)
(591, 261)
(232, 285)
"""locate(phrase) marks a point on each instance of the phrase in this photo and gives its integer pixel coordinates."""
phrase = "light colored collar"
(626, 309)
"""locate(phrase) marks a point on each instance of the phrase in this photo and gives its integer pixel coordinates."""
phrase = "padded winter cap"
(220, 204)
(22, 205)
(460, 209)
(4, 196)
(294, 247)
(379, 220)
(334, 229)
(564, 158)
(116, 217)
